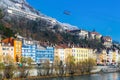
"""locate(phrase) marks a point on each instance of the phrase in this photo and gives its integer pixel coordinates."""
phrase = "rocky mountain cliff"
(21, 7)
(19, 17)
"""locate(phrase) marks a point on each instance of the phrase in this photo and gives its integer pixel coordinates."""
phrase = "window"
(73, 50)
(32, 55)
(51, 55)
(28, 50)
(46, 55)
(3, 53)
(3, 48)
(11, 49)
(73, 55)
(24, 55)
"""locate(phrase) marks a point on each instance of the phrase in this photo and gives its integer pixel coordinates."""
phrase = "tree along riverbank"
(65, 74)
(25, 70)
(58, 68)
(98, 71)
(54, 76)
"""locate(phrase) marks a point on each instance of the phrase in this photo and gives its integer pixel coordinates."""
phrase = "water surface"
(106, 76)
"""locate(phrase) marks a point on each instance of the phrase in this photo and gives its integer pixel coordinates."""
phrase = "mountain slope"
(18, 16)
(23, 7)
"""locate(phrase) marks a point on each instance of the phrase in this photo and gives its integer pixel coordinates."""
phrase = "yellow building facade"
(115, 57)
(102, 57)
(62, 53)
(56, 54)
(81, 54)
(107, 57)
(68, 51)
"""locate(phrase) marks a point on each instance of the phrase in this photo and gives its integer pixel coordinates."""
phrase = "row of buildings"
(84, 34)
(18, 47)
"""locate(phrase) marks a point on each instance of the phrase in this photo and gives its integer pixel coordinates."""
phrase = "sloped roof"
(107, 38)
(96, 33)
(61, 46)
(8, 40)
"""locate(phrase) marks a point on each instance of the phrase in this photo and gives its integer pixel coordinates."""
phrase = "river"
(106, 76)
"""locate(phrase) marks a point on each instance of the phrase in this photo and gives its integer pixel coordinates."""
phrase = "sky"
(101, 15)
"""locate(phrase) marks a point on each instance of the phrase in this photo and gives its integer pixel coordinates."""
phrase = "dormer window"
(8, 44)
(3, 44)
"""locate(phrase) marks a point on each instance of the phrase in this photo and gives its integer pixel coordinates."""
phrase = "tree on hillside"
(1, 58)
(79, 67)
(83, 66)
(56, 64)
(1, 14)
(70, 64)
(29, 61)
(46, 67)
(10, 67)
(8, 59)
(1, 62)
(26, 60)
(7, 32)
(24, 66)
(90, 63)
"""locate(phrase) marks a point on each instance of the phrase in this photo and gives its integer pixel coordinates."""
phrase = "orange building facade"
(17, 50)
(17, 44)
